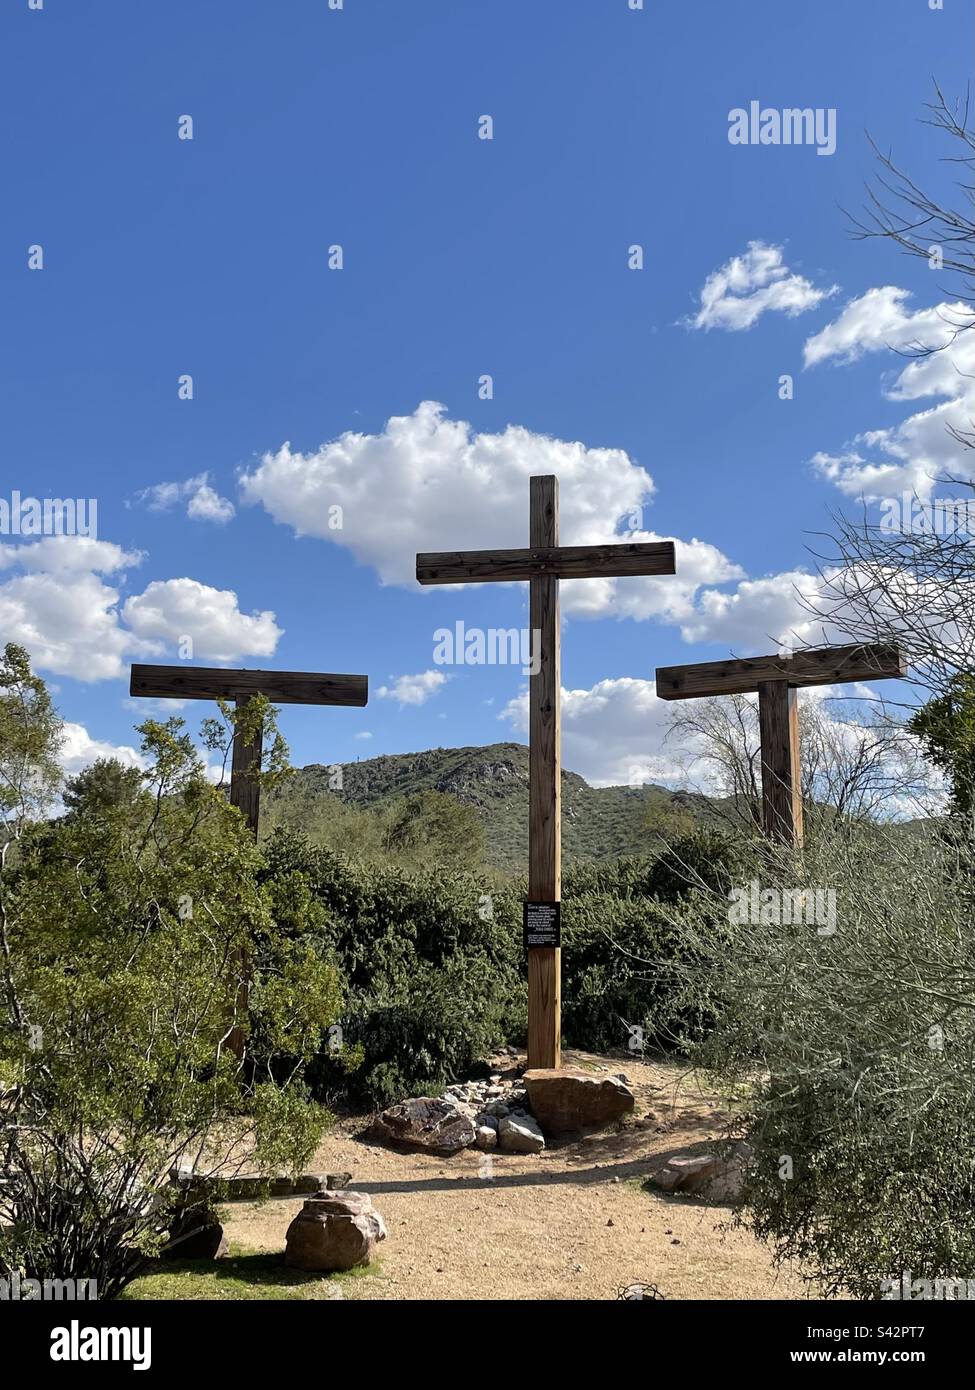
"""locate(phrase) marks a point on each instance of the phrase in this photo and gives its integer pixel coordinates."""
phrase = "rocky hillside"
(597, 822)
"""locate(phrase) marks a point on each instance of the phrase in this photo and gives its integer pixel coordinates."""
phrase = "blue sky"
(463, 257)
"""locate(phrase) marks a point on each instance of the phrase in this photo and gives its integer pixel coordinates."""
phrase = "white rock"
(520, 1134)
(487, 1138)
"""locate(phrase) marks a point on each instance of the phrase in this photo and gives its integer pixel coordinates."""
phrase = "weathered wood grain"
(562, 562)
(781, 781)
(220, 683)
(817, 666)
(544, 782)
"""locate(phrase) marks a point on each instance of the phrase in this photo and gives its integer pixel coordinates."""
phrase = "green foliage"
(102, 787)
(126, 934)
(30, 736)
(431, 964)
(852, 1052)
(624, 963)
(435, 970)
(946, 728)
(431, 827)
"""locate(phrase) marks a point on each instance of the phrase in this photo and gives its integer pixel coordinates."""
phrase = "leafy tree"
(946, 729)
(434, 827)
(102, 786)
(123, 934)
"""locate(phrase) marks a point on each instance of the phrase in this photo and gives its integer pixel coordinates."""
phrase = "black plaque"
(542, 924)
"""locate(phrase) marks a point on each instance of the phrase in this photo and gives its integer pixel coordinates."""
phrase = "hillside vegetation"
(597, 822)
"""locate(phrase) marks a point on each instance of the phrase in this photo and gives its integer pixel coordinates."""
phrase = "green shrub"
(431, 963)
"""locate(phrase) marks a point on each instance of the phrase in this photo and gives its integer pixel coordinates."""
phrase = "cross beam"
(217, 683)
(776, 679)
(543, 564)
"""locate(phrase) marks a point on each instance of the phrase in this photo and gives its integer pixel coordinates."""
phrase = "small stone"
(487, 1138)
(520, 1134)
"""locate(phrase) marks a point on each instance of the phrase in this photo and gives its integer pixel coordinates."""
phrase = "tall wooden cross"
(280, 687)
(543, 564)
(776, 678)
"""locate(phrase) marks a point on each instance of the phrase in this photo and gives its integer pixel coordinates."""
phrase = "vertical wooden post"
(781, 782)
(544, 782)
(245, 794)
(245, 787)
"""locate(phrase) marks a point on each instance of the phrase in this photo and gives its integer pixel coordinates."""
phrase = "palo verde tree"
(123, 933)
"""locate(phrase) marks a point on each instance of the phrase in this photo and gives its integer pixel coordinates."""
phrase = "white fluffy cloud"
(912, 455)
(203, 503)
(59, 606)
(429, 483)
(760, 615)
(79, 749)
(412, 690)
(67, 555)
(736, 295)
(613, 734)
(171, 609)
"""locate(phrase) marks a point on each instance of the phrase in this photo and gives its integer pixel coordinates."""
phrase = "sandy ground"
(574, 1222)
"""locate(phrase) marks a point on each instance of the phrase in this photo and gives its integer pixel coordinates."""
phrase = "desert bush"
(123, 940)
(430, 959)
(852, 1053)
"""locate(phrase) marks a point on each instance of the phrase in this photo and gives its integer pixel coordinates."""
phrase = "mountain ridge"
(597, 822)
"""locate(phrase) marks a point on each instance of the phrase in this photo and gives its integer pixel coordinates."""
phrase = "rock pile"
(507, 1113)
(487, 1115)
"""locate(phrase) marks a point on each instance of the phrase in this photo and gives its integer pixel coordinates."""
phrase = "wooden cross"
(217, 683)
(776, 678)
(543, 564)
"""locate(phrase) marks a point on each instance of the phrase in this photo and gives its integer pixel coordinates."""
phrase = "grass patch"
(241, 1275)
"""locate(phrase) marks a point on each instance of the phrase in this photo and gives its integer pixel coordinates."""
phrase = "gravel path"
(573, 1222)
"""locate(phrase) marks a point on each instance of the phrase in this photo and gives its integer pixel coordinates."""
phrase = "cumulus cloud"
(69, 627)
(170, 609)
(79, 750)
(59, 606)
(430, 483)
(203, 503)
(412, 690)
(737, 294)
(761, 615)
(68, 554)
(612, 734)
(912, 455)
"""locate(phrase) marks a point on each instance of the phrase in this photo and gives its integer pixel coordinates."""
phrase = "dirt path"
(573, 1222)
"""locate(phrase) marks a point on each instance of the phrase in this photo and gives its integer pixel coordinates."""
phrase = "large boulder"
(426, 1123)
(567, 1100)
(334, 1230)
